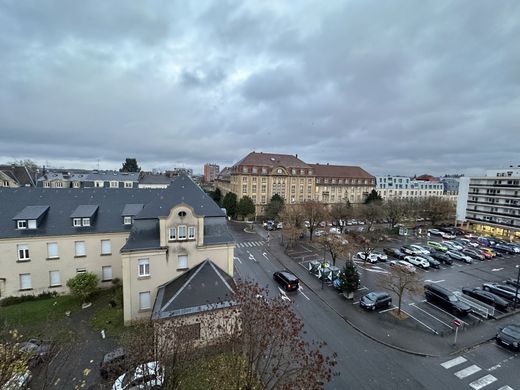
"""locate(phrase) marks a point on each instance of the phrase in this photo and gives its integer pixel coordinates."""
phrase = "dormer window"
(22, 224)
(127, 220)
(85, 221)
(76, 222)
(30, 217)
(128, 184)
(31, 223)
(84, 215)
(114, 184)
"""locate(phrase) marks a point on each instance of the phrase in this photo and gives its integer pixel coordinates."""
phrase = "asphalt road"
(362, 362)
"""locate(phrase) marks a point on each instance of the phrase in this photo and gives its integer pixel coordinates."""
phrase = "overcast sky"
(397, 87)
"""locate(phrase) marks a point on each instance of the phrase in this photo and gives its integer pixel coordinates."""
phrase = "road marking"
(431, 315)
(503, 361)
(355, 303)
(284, 295)
(301, 292)
(420, 322)
(236, 258)
(451, 315)
(496, 269)
(506, 388)
(434, 281)
(467, 371)
(483, 382)
(454, 362)
(362, 288)
(384, 311)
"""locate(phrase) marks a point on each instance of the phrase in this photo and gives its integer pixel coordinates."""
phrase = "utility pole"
(517, 283)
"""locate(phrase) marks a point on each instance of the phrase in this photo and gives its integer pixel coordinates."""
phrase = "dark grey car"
(375, 300)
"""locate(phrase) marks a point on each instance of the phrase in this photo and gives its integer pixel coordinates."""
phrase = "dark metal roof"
(31, 212)
(131, 209)
(85, 211)
(154, 179)
(204, 287)
(145, 234)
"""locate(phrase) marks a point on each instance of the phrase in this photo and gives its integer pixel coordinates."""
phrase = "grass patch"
(108, 313)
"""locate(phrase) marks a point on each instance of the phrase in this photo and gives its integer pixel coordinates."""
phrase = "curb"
(461, 350)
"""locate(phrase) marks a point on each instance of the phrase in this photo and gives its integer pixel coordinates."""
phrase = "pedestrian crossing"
(250, 244)
(470, 373)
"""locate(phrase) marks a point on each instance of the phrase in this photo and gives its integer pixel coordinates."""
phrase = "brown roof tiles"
(340, 171)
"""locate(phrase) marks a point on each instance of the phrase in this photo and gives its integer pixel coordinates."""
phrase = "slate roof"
(20, 174)
(85, 211)
(272, 160)
(132, 209)
(155, 179)
(113, 176)
(340, 171)
(31, 212)
(202, 288)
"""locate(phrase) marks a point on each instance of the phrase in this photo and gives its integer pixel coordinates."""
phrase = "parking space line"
(454, 362)
(451, 315)
(420, 322)
(355, 303)
(384, 311)
(431, 315)
(467, 371)
(483, 382)
(506, 387)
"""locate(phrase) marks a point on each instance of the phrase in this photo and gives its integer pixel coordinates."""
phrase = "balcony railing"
(500, 224)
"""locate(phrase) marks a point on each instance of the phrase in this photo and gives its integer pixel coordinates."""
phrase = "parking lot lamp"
(517, 282)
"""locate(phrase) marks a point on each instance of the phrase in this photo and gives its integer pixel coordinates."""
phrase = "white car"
(447, 236)
(335, 230)
(371, 258)
(145, 376)
(420, 249)
(418, 261)
(403, 264)
(452, 245)
(460, 256)
(435, 232)
(319, 233)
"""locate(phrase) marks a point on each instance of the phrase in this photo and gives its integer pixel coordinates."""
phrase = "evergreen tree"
(130, 165)
(349, 277)
(274, 207)
(373, 197)
(246, 207)
(216, 195)
(230, 204)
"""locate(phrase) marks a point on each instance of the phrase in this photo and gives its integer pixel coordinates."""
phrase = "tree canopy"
(230, 204)
(83, 285)
(246, 207)
(130, 165)
(373, 197)
(274, 207)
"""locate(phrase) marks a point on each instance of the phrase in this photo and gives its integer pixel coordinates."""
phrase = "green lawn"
(107, 316)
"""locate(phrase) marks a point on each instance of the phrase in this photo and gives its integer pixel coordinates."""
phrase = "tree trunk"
(399, 306)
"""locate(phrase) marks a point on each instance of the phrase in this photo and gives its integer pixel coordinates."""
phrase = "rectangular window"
(264, 188)
(244, 169)
(85, 221)
(21, 224)
(253, 189)
(23, 252)
(181, 232)
(172, 234)
(128, 184)
(106, 272)
(106, 247)
(143, 267)
(32, 224)
(114, 184)
(25, 282)
(46, 184)
(244, 189)
(79, 248)
(54, 278)
(144, 300)
(52, 250)
(264, 170)
(263, 198)
(81, 270)
(76, 184)
(191, 232)
(127, 220)
(182, 262)
(255, 170)
(76, 222)
(59, 184)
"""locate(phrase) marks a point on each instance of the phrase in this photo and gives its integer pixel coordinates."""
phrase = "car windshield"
(513, 331)
(453, 298)
(371, 296)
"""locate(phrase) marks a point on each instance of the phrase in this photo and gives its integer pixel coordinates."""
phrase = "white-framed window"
(106, 247)
(79, 248)
(31, 224)
(172, 234)
(181, 232)
(128, 184)
(59, 184)
(76, 222)
(127, 220)
(182, 261)
(85, 221)
(54, 278)
(144, 300)
(99, 183)
(114, 184)
(76, 184)
(52, 250)
(23, 252)
(143, 267)
(191, 232)
(106, 272)
(25, 282)
(81, 270)
(21, 224)
(46, 184)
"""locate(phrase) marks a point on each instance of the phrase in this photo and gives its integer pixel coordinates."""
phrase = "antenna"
(98, 164)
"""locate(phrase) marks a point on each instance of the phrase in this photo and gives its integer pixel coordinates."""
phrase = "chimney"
(296, 155)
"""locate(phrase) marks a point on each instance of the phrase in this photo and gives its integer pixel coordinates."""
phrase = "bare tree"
(437, 209)
(400, 281)
(293, 223)
(337, 246)
(314, 212)
(371, 213)
(341, 211)
(396, 210)
(367, 242)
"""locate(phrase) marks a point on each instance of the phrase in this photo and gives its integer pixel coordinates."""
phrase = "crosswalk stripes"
(250, 244)
(477, 384)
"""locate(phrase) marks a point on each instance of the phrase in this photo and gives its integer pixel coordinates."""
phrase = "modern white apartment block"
(491, 203)
(396, 187)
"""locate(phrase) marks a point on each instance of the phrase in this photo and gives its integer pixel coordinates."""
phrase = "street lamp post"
(517, 283)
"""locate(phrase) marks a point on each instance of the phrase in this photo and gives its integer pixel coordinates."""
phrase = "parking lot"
(421, 314)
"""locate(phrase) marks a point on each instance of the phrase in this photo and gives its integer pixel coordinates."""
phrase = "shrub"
(8, 301)
(83, 285)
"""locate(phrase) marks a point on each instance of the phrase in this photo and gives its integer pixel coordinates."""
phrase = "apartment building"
(491, 203)
(261, 175)
(87, 179)
(402, 187)
(146, 238)
(211, 172)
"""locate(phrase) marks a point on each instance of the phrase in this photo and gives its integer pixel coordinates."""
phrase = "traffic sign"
(457, 323)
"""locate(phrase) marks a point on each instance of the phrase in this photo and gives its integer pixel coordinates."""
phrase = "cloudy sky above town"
(397, 87)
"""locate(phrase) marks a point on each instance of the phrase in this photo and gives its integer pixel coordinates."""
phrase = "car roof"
(288, 275)
(118, 352)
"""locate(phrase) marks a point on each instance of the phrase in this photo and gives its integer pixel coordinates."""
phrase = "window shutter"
(183, 261)
(106, 247)
(25, 281)
(55, 278)
(144, 300)
(52, 249)
(107, 272)
(80, 248)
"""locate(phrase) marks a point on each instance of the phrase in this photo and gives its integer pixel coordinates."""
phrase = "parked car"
(37, 349)
(145, 376)
(409, 250)
(381, 256)
(433, 263)
(452, 245)
(501, 290)
(319, 233)
(442, 257)
(473, 254)
(419, 249)
(513, 282)
(447, 236)
(19, 381)
(487, 297)
(486, 254)
(445, 298)
(509, 336)
(403, 264)
(504, 248)
(459, 256)
(434, 232)
(287, 280)
(418, 261)
(370, 257)
(335, 230)
(394, 252)
(113, 364)
(468, 242)
(437, 246)
(490, 251)
(375, 300)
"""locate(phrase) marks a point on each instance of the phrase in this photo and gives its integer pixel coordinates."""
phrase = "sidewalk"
(386, 329)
